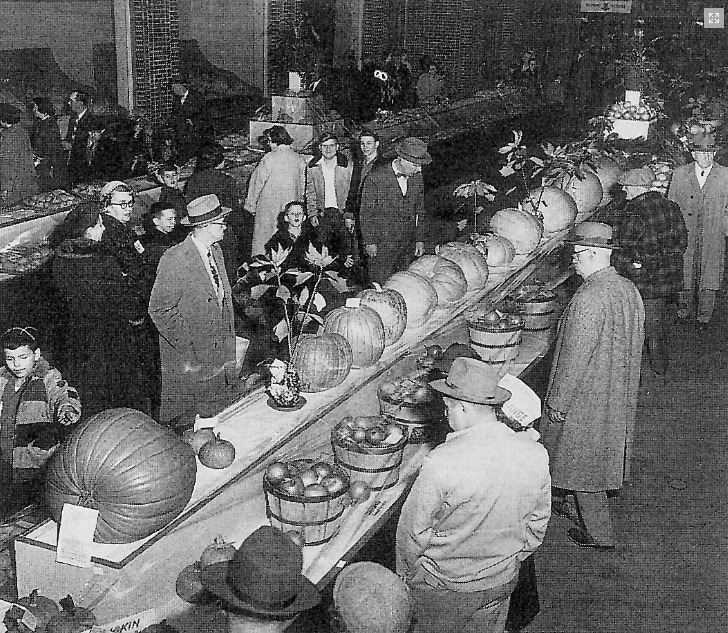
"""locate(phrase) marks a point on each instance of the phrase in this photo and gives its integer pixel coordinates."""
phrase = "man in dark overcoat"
(591, 401)
(191, 306)
(392, 210)
(701, 190)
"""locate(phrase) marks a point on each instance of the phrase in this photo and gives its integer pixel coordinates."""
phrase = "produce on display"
(217, 453)
(189, 584)
(72, 619)
(418, 293)
(446, 277)
(608, 173)
(585, 191)
(390, 306)
(522, 229)
(323, 361)
(285, 384)
(138, 474)
(362, 327)
(497, 250)
(496, 336)
(470, 260)
(538, 308)
(556, 208)
(631, 112)
(219, 551)
(197, 439)
(663, 176)
(43, 609)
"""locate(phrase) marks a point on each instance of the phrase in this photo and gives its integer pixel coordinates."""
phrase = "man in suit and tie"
(191, 306)
(77, 137)
(190, 121)
(392, 210)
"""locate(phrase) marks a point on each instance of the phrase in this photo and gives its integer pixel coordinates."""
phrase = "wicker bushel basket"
(495, 345)
(539, 313)
(423, 423)
(377, 466)
(317, 519)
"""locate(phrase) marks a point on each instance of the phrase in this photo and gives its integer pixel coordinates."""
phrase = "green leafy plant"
(473, 189)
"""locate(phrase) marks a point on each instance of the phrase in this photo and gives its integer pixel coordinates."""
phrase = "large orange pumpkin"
(497, 250)
(556, 208)
(470, 260)
(418, 293)
(362, 327)
(137, 474)
(391, 308)
(522, 229)
(322, 360)
(586, 192)
(608, 173)
(446, 277)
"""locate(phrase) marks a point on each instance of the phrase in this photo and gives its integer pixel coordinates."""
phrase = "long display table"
(126, 579)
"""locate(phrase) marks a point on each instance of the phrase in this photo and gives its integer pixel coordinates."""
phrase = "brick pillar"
(147, 52)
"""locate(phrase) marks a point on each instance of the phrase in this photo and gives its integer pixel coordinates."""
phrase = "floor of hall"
(670, 571)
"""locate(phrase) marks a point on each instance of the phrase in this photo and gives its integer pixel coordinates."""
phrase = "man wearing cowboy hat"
(653, 237)
(480, 505)
(701, 190)
(591, 400)
(262, 586)
(191, 305)
(392, 210)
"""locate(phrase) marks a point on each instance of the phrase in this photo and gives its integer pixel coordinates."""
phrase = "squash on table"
(522, 229)
(470, 260)
(608, 173)
(136, 473)
(391, 308)
(418, 293)
(446, 277)
(586, 192)
(323, 361)
(362, 327)
(499, 251)
(554, 206)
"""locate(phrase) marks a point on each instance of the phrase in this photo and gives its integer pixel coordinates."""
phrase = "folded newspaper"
(524, 406)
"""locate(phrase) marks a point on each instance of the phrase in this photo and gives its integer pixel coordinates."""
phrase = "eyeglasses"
(218, 223)
(128, 204)
(583, 250)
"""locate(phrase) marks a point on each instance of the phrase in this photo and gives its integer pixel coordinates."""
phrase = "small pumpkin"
(586, 192)
(189, 584)
(196, 439)
(470, 260)
(217, 453)
(323, 361)
(608, 173)
(446, 277)
(555, 206)
(499, 252)
(138, 474)
(522, 229)
(362, 327)
(71, 619)
(391, 308)
(219, 551)
(419, 296)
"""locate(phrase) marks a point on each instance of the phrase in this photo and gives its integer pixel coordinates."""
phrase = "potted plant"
(295, 51)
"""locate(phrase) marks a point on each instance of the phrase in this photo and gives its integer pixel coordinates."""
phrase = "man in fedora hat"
(480, 505)
(262, 586)
(191, 306)
(591, 400)
(653, 237)
(700, 188)
(392, 210)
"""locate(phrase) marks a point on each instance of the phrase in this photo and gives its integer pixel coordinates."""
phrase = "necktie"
(702, 174)
(214, 271)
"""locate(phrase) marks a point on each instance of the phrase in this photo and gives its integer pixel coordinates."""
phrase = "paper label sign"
(76, 535)
(4, 608)
(524, 406)
(29, 620)
(606, 6)
(137, 622)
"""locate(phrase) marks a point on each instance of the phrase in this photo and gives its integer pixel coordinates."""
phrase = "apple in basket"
(315, 491)
(293, 487)
(322, 469)
(276, 472)
(334, 483)
(309, 477)
(491, 317)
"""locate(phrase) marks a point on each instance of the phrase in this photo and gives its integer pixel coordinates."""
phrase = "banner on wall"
(606, 6)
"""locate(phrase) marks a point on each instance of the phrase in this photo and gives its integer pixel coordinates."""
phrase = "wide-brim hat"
(203, 210)
(592, 234)
(703, 143)
(642, 177)
(264, 577)
(414, 150)
(473, 381)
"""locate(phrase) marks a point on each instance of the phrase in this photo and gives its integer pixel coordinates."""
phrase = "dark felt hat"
(264, 577)
(703, 143)
(594, 234)
(414, 150)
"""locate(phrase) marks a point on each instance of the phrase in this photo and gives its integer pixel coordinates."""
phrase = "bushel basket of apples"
(309, 497)
(496, 336)
(412, 403)
(369, 448)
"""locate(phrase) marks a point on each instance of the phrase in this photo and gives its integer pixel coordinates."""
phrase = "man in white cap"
(701, 190)
(591, 401)
(479, 506)
(191, 306)
(392, 210)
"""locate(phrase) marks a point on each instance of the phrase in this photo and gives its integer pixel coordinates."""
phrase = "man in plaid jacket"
(653, 235)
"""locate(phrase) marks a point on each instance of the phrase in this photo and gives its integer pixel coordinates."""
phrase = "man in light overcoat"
(191, 306)
(591, 401)
(700, 188)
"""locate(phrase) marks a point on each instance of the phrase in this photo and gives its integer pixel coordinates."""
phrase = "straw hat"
(203, 210)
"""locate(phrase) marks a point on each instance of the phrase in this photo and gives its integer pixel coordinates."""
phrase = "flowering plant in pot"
(298, 291)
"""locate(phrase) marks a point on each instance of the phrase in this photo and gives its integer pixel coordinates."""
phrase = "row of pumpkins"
(140, 475)
(355, 335)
